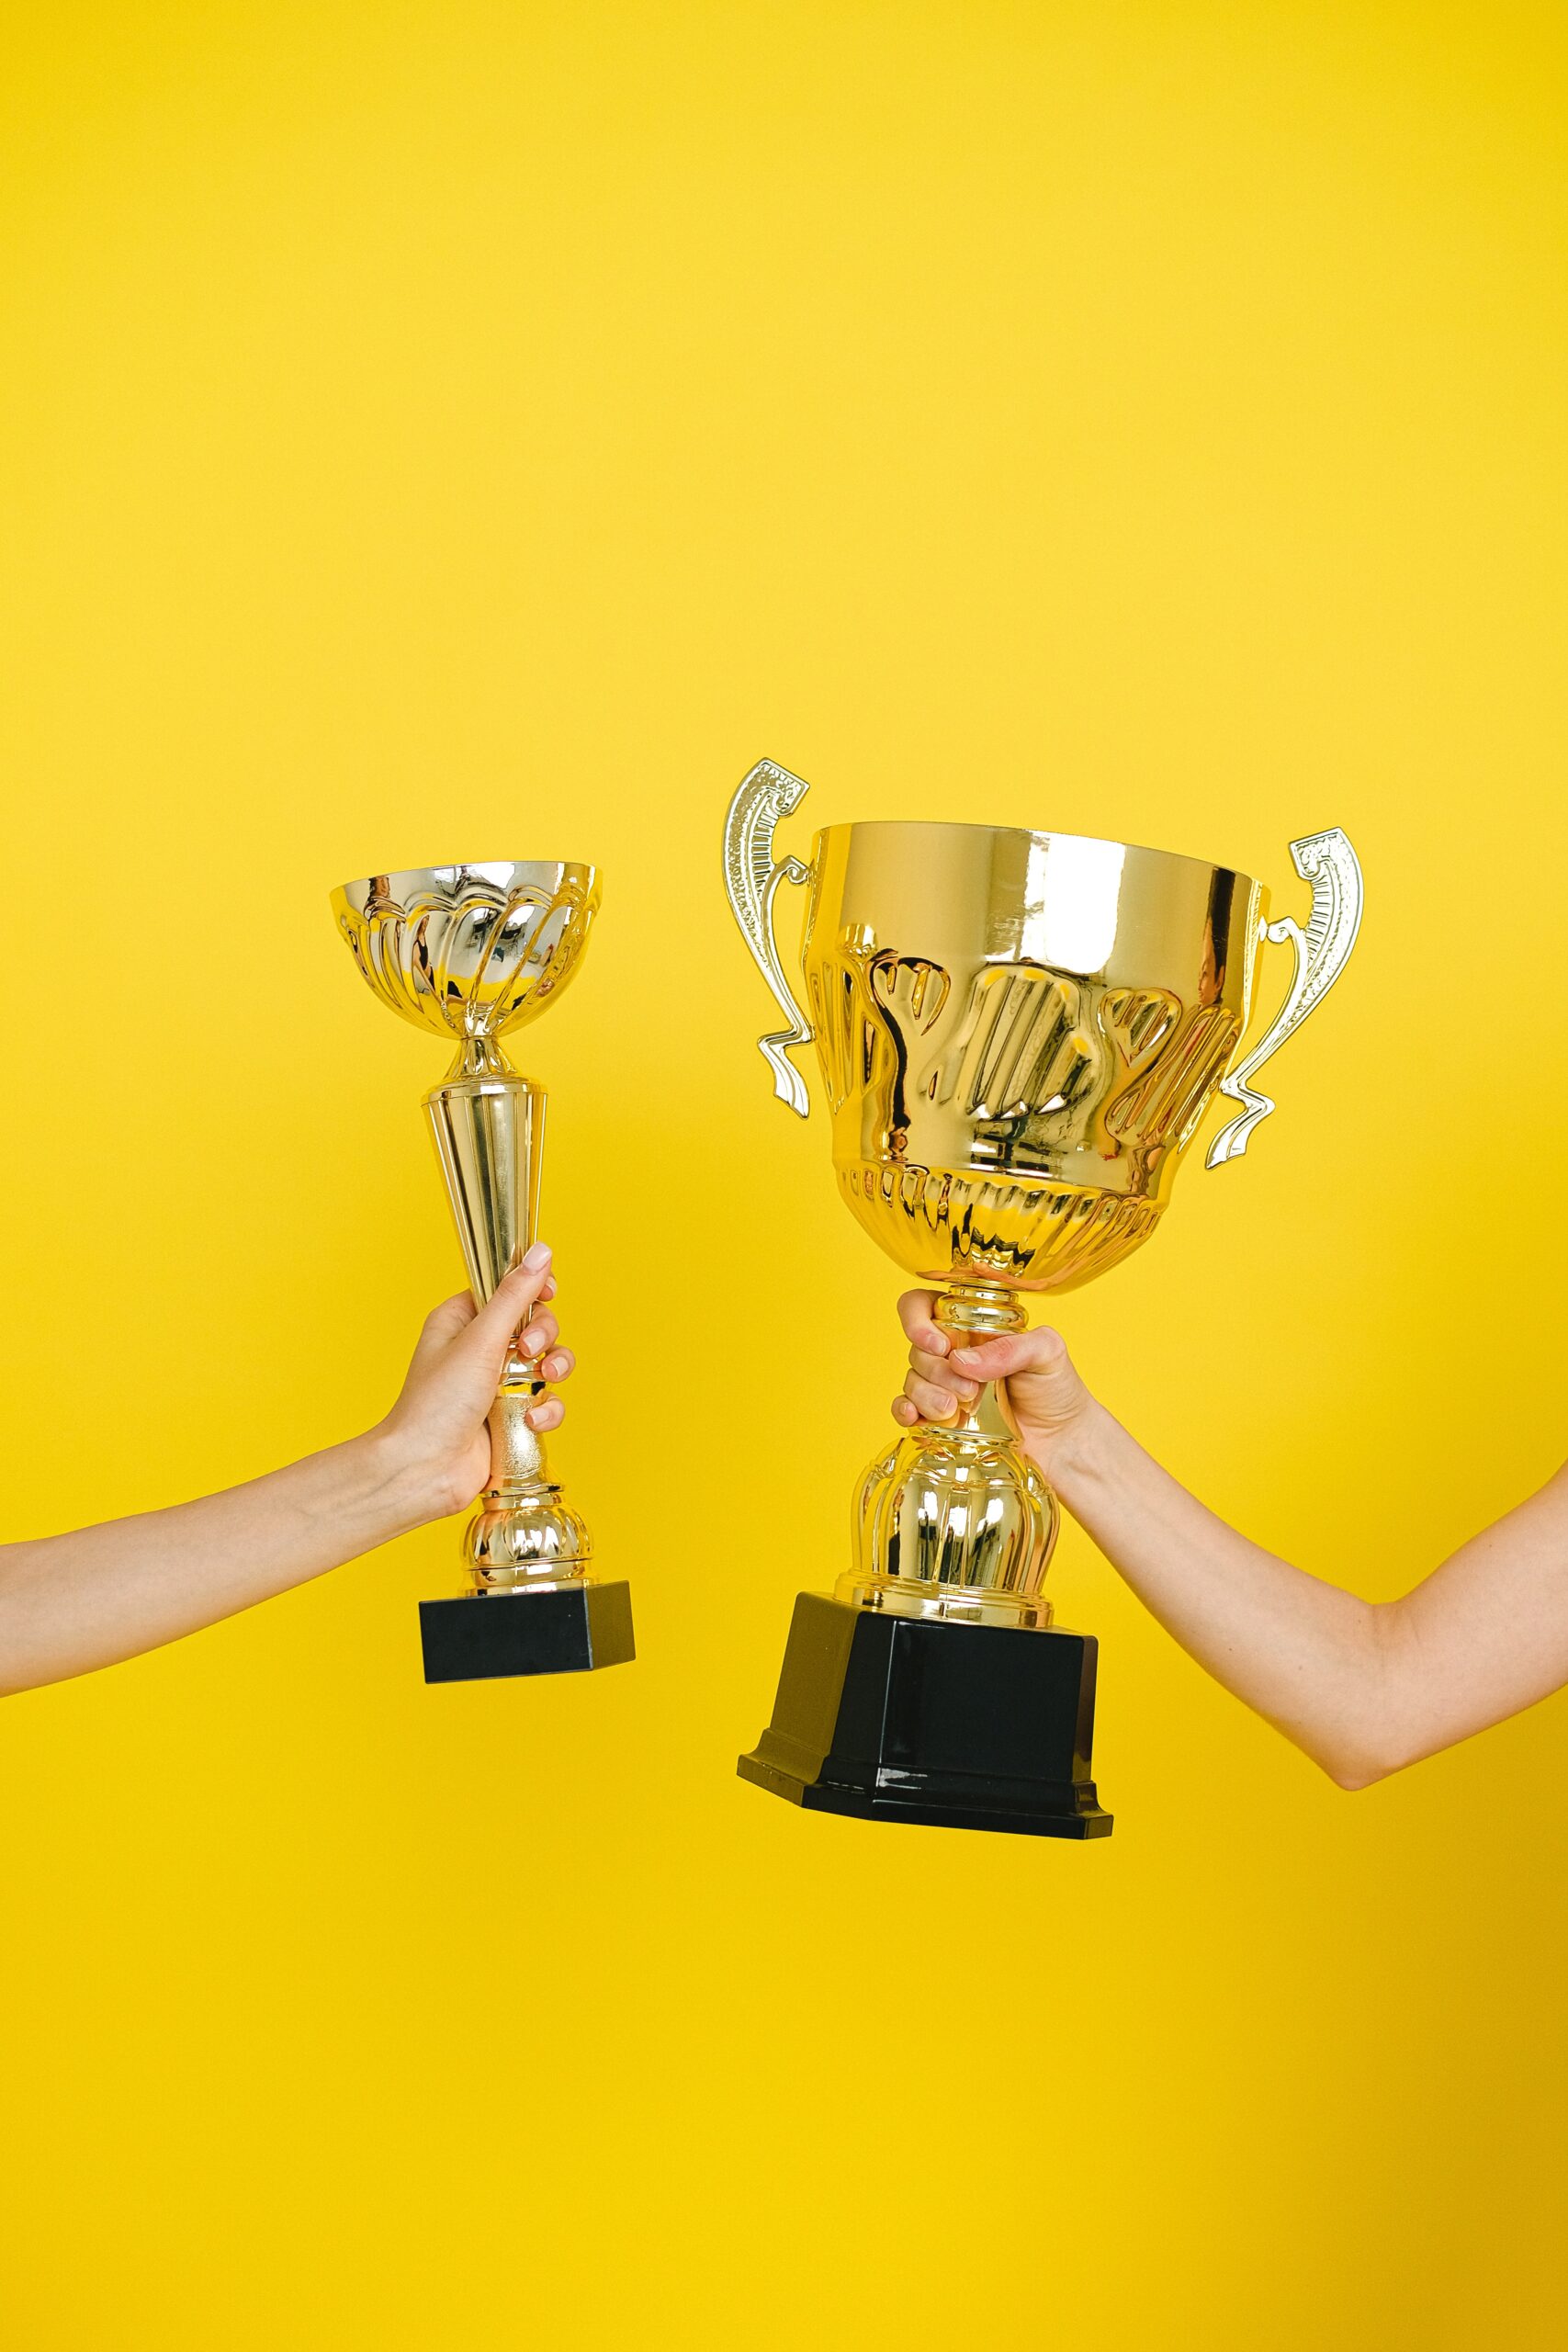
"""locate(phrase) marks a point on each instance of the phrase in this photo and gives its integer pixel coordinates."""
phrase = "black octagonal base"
(914, 1719)
(482, 1635)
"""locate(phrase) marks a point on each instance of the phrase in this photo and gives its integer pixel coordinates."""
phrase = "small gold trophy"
(472, 951)
(1019, 1034)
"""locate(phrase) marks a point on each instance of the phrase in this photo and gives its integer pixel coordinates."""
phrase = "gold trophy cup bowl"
(471, 952)
(1018, 1033)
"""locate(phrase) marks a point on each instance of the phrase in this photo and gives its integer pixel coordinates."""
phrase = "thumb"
(490, 1334)
(442, 1325)
(1036, 1356)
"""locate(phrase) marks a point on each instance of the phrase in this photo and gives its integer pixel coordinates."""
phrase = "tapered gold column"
(488, 1124)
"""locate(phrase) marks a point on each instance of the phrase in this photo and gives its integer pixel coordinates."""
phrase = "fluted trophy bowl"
(1018, 1032)
(469, 951)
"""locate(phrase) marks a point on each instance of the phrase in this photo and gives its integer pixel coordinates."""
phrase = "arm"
(72, 1603)
(1363, 1687)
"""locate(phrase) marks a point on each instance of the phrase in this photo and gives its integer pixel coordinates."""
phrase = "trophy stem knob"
(984, 1307)
(987, 1312)
(480, 1056)
(524, 1536)
(516, 1452)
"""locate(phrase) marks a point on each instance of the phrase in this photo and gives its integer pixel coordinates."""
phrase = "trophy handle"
(751, 878)
(1327, 861)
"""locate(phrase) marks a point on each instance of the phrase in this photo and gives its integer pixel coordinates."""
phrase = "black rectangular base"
(481, 1634)
(914, 1719)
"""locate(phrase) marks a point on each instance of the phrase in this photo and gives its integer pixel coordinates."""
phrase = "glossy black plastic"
(480, 1636)
(920, 1720)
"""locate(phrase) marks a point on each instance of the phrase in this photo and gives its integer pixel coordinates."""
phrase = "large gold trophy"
(472, 952)
(1019, 1034)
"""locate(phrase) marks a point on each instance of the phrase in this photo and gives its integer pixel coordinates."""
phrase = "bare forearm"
(1310, 1657)
(1363, 1687)
(73, 1602)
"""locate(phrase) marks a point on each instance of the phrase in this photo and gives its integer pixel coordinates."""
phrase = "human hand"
(1041, 1395)
(434, 1437)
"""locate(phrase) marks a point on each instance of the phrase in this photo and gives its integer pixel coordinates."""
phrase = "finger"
(542, 1332)
(546, 1417)
(1037, 1351)
(932, 1404)
(560, 1365)
(920, 1324)
(906, 1412)
(943, 1373)
(491, 1331)
(550, 1289)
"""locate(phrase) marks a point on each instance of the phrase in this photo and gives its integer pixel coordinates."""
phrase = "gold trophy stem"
(969, 1312)
(517, 1452)
(488, 1126)
(523, 1537)
(956, 1522)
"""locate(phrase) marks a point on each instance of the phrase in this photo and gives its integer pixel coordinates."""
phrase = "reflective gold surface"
(471, 952)
(1019, 1034)
(955, 1520)
(489, 1135)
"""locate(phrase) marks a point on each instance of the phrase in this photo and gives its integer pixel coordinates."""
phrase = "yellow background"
(451, 430)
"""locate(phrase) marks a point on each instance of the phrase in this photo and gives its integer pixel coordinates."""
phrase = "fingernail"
(969, 1356)
(936, 1342)
(532, 1342)
(537, 1258)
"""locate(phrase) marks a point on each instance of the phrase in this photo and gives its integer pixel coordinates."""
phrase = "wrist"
(405, 1489)
(1077, 1455)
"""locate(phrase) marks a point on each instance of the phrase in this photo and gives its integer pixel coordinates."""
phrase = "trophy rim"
(1031, 833)
(500, 871)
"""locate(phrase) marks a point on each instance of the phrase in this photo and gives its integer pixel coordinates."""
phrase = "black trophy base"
(483, 1634)
(912, 1719)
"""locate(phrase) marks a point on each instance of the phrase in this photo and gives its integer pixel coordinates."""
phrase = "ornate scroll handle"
(751, 877)
(1327, 861)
